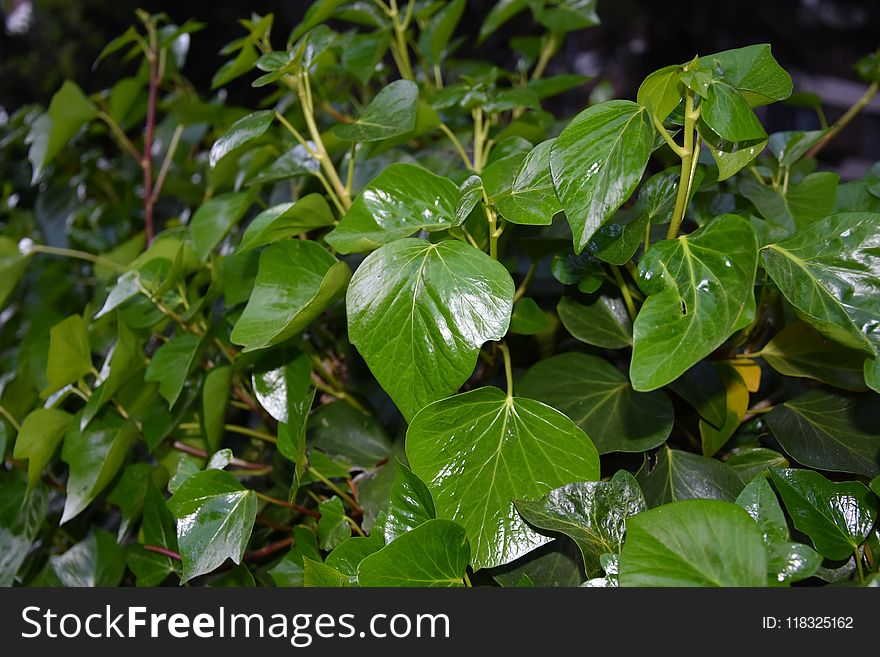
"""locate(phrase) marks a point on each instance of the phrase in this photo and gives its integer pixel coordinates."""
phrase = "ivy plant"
(402, 324)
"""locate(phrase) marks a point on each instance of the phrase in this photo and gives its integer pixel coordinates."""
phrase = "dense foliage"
(402, 326)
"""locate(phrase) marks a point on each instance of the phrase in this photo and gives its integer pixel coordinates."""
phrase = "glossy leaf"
(340, 429)
(172, 363)
(830, 431)
(391, 113)
(753, 71)
(22, 512)
(729, 117)
(480, 450)
(699, 288)
(836, 516)
(434, 554)
(214, 218)
(679, 475)
(409, 504)
(693, 543)
(419, 313)
(332, 527)
(532, 197)
(286, 220)
(751, 462)
(317, 574)
(597, 161)
(96, 561)
(599, 399)
(736, 404)
(603, 323)
(296, 282)
(70, 356)
(593, 514)
(661, 92)
(215, 395)
(400, 201)
(215, 515)
(38, 439)
(245, 130)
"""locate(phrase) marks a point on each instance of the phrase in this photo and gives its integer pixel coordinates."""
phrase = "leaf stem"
(548, 49)
(287, 505)
(624, 289)
(158, 549)
(458, 146)
(10, 418)
(508, 369)
(348, 499)
(526, 281)
(150, 129)
(400, 50)
(166, 163)
(678, 150)
(123, 139)
(688, 166)
(844, 120)
(232, 428)
(80, 255)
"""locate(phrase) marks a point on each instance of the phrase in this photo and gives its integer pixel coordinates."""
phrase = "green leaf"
(215, 515)
(22, 512)
(172, 363)
(830, 431)
(480, 450)
(798, 350)
(599, 399)
(391, 113)
(680, 475)
(280, 389)
(409, 504)
(158, 528)
(790, 146)
(597, 161)
(730, 117)
(582, 270)
(419, 313)
(333, 528)
(318, 12)
(829, 272)
(703, 388)
(593, 514)
(528, 318)
(317, 574)
(803, 202)
(736, 397)
(245, 130)
(753, 71)
(699, 288)
(693, 543)
(286, 220)
(400, 201)
(214, 218)
(532, 197)
(125, 361)
(96, 561)
(339, 428)
(69, 110)
(435, 38)
(70, 356)
(661, 92)
(566, 15)
(836, 516)
(290, 570)
(215, 396)
(749, 462)
(363, 52)
(875, 485)
(434, 554)
(13, 264)
(348, 555)
(501, 13)
(94, 456)
(296, 282)
(557, 564)
(730, 158)
(470, 194)
(38, 439)
(602, 323)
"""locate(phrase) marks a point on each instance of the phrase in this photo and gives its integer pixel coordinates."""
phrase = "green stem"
(688, 162)
(80, 255)
(345, 497)
(458, 146)
(858, 557)
(494, 233)
(526, 281)
(467, 581)
(401, 50)
(355, 526)
(548, 49)
(10, 418)
(121, 137)
(624, 289)
(508, 369)
(232, 428)
(844, 120)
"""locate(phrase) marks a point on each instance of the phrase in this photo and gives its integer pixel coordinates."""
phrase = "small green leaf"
(409, 504)
(158, 528)
(290, 570)
(836, 516)
(215, 396)
(245, 130)
(699, 288)
(333, 528)
(340, 429)
(434, 554)
(532, 197)
(419, 313)
(172, 363)
(599, 399)
(296, 282)
(661, 92)
(602, 323)
(317, 574)
(528, 318)
(597, 161)
(801, 204)
(96, 561)
(729, 117)
(215, 515)
(681, 475)
(38, 439)
(286, 220)
(22, 512)
(593, 514)
(214, 218)
(363, 52)
(13, 264)
(400, 201)
(391, 113)
(435, 38)
(750, 462)
(693, 543)
(501, 13)
(490, 449)
(70, 356)
(830, 431)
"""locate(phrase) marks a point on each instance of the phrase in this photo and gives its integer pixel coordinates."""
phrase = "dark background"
(816, 40)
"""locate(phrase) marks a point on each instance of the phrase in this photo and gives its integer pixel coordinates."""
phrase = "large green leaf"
(70, 356)
(286, 220)
(836, 516)
(597, 161)
(730, 117)
(480, 450)
(40, 434)
(401, 200)
(94, 456)
(799, 205)
(532, 197)
(434, 554)
(829, 272)
(753, 71)
(296, 282)
(12, 267)
(22, 512)
(214, 218)
(693, 543)
(600, 400)
(241, 132)
(96, 561)
(419, 313)
(215, 515)
(172, 363)
(699, 288)
(603, 322)
(798, 350)
(391, 113)
(593, 514)
(830, 431)
(679, 475)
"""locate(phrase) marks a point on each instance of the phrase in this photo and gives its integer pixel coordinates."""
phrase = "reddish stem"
(272, 548)
(158, 549)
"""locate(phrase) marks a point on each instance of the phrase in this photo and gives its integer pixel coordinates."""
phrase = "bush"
(403, 326)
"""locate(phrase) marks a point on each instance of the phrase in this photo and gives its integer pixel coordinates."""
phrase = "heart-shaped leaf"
(38, 438)
(241, 132)
(753, 71)
(70, 356)
(699, 289)
(480, 450)
(172, 363)
(391, 113)
(679, 475)
(419, 313)
(532, 197)
(296, 282)
(286, 220)
(599, 399)
(693, 543)
(409, 504)
(603, 323)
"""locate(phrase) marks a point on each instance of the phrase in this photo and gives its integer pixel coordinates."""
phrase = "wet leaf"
(286, 220)
(679, 475)
(391, 113)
